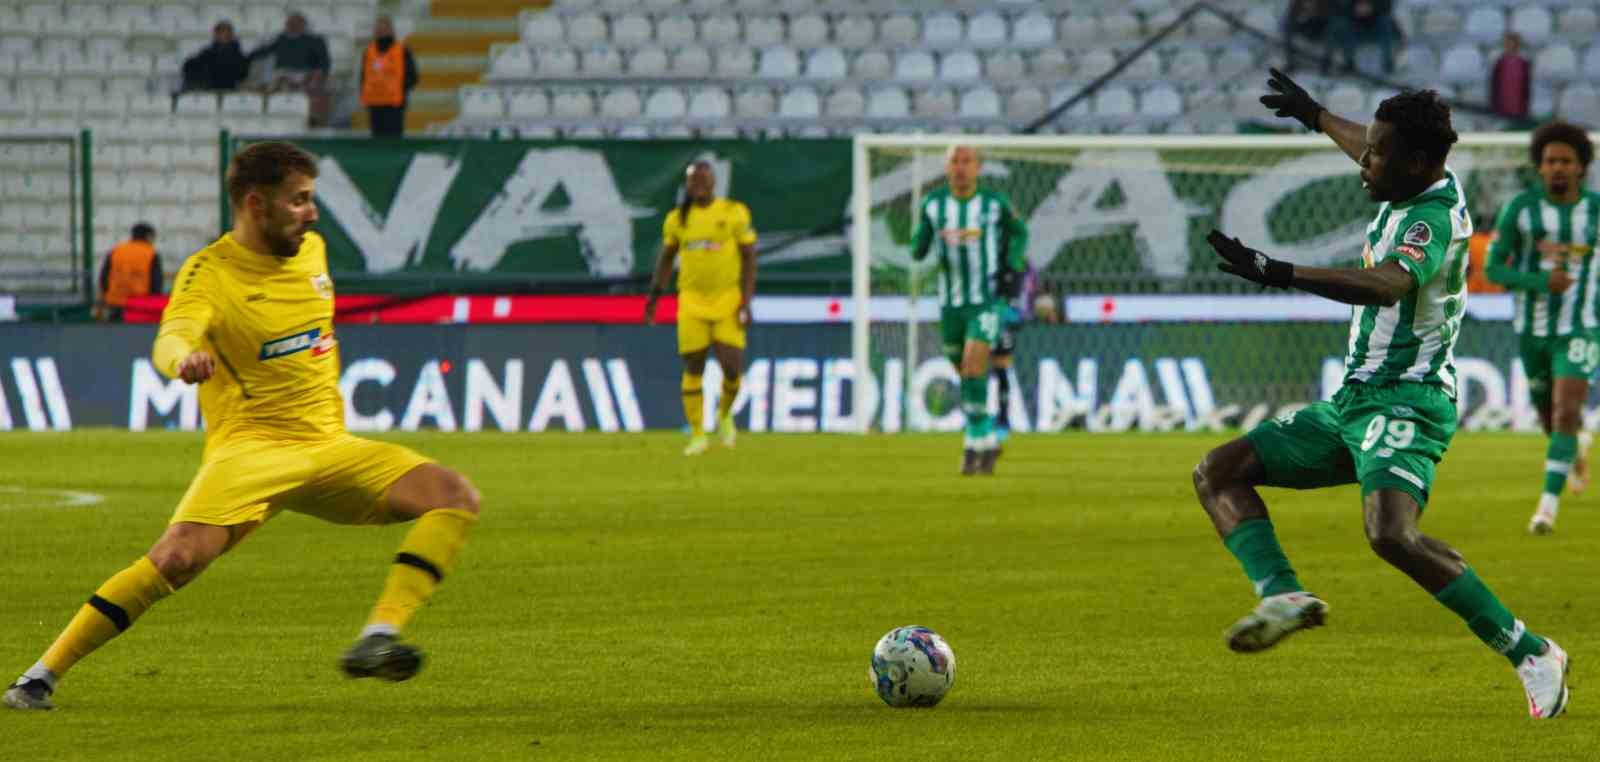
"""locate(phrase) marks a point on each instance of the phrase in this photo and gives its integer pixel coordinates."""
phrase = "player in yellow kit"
(251, 321)
(716, 278)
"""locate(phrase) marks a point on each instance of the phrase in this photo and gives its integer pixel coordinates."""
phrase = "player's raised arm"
(184, 323)
(1383, 285)
(1291, 100)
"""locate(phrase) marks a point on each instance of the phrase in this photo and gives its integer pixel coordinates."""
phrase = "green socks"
(1255, 544)
(1488, 618)
(1558, 462)
(975, 404)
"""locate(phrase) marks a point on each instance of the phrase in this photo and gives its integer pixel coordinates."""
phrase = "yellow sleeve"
(670, 229)
(186, 319)
(743, 233)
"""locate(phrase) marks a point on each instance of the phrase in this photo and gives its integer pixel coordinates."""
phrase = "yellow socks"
(426, 555)
(112, 609)
(730, 391)
(694, 400)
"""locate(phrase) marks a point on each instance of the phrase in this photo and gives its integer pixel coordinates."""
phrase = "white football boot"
(697, 445)
(728, 431)
(1544, 678)
(1544, 516)
(1274, 619)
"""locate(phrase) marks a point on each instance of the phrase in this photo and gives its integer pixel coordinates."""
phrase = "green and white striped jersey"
(1414, 340)
(974, 238)
(1534, 236)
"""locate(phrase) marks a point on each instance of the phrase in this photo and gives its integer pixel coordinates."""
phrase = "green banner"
(569, 210)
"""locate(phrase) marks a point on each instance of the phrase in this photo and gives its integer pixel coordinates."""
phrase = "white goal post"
(1110, 216)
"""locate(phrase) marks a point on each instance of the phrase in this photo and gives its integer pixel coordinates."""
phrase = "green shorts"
(959, 325)
(1385, 437)
(1545, 358)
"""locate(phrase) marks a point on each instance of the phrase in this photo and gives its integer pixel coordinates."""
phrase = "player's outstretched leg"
(731, 359)
(445, 506)
(1225, 482)
(1391, 524)
(183, 551)
(979, 439)
(1566, 418)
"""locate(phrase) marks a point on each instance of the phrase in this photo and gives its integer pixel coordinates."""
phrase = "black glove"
(1008, 283)
(1245, 262)
(1290, 99)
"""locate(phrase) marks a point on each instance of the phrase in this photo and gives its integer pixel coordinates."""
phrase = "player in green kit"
(979, 241)
(1395, 415)
(1543, 251)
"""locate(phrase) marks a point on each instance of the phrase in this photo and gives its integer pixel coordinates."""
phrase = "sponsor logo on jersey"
(1412, 253)
(289, 345)
(324, 345)
(1419, 233)
(959, 236)
(702, 244)
(323, 285)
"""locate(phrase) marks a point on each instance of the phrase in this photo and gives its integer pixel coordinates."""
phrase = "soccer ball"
(912, 666)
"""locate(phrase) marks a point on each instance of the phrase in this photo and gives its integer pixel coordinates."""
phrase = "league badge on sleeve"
(1419, 234)
(323, 285)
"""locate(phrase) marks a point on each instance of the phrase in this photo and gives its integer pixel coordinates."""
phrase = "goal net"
(43, 218)
(1117, 253)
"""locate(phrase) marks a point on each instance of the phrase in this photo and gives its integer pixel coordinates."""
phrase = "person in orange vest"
(388, 72)
(132, 268)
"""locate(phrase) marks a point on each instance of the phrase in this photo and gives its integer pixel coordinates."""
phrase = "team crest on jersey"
(289, 345)
(323, 285)
(1419, 233)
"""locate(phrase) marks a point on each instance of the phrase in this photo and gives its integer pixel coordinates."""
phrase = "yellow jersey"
(267, 323)
(709, 266)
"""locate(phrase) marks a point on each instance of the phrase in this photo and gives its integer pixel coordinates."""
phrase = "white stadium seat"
(827, 63)
(1189, 65)
(1119, 26)
(1233, 63)
(1580, 104)
(959, 66)
(1026, 103)
(855, 31)
(585, 29)
(1347, 101)
(544, 29)
(799, 103)
(481, 103)
(987, 29)
(940, 29)
(1591, 62)
(621, 103)
(1417, 61)
(899, 30)
(647, 62)
(779, 62)
(528, 104)
(710, 103)
(607, 62)
(1557, 63)
(933, 103)
(675, 30)
(1485, 24)
(720, 30)
(1579, 23)
(513, 61)
(914, 65)
(557, 62)
(1161, 101)
(1096, 62)
(692, 61)
(754, 103)
(761, 31)
(846, 102)
(1002, 65)
(888, 103)
(1079, 28)
(873, 64)
(666, 103)
(631, 30)
(1051, 63)
(980, 103)
(1114, 101)
(808, 30)
(1033, 29)
(572, 104)
(1532, 23)
(736, 62)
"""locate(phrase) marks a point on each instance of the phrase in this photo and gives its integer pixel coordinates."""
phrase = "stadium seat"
(959, 66)
(607, 62)
(1580, 104)
(1146, 66)
(827, 63)
(1591, 62)
(527, 104)
(855, 31)
(692, 61)
(1118, 26)
(647, 62)
(779, 62)
(1078, 29)
(481, 102)
(1416, 62)
(585, 29)
(888, 103)
(808, 30)
(987, 29)
(1532, 23)
(1115, 102)
(1233, 63)
(762, 31)
(1462, 63)
(1440, 23)
(631, 30)
(1189, 65)
(675, 30)
(1485, 24)
(1377, 96)
(1207, 26)
(846, 102)
(914, 65)
(196, 106)
(558, 62)
(666, 103)
(1033, 29)
(800, 103)
(512, 61)
(1096, 62)
(900, 30)
(1347, 101)
(1208, 103)
(942, 29)
(621, 103)
(42, 64)
(1051, 63)
(709, 103)
(572, 104)
(241, 104)
(1003, 65)
(755, 103)
(1555, 63)
(736, 62)
(719, 30)
(1579, 23)
(980, 103)
(873, 64)
(933, 103)
(1025, 103)
(1161, 101)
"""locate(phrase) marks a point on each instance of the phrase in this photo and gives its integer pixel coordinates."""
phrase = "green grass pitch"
(619, 601)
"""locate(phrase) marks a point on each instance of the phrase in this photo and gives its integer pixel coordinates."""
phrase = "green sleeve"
(1016, 239)
(1507, 240)
(922, 238)
(1424, 234)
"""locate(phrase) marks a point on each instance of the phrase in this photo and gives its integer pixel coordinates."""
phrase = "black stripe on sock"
(420, 563)
(111, 611)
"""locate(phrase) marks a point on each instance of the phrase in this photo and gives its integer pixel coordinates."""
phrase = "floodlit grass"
(619, 601)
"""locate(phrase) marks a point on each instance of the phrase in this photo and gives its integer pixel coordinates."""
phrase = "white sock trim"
(1558, 466)
(41, 673)
(379, 629)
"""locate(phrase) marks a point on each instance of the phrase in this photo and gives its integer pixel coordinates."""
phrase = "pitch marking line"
(64, 498)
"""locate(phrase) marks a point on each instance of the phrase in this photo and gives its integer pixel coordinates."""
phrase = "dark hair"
(1561, 132)
(683, 207)
(1422, 122)
(143, 231)
(266, 165)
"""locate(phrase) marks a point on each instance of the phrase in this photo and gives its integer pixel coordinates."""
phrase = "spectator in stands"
(1364, 21)
(1307, 19)
(132, 268)
(299, 62)
(1511, 80)
(220, 66)
(388, 72)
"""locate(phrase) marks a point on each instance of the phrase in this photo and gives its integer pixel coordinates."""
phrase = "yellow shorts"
(697, 333)
(343, 479)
